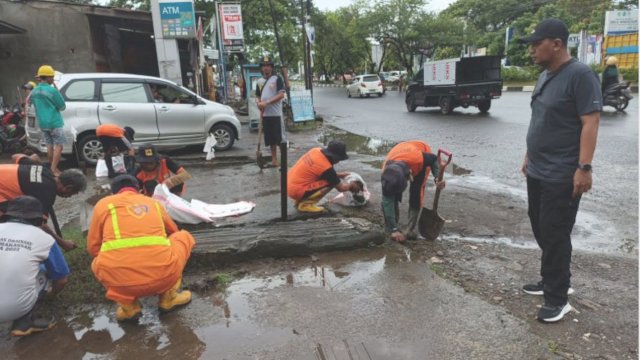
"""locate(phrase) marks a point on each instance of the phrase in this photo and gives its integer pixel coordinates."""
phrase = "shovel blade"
(430, 224)
(260, 160)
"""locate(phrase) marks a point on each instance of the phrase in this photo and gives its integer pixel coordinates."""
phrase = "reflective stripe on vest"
(120, 243)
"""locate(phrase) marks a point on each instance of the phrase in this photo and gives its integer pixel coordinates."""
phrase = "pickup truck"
(470, 81)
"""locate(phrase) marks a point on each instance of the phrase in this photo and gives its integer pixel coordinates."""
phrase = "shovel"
(430, 223)
(259, 158)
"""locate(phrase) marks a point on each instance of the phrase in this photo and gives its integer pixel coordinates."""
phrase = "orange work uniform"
(138, 249)
(27, 178)
(162, 172)
(412, 154)
(305, 175)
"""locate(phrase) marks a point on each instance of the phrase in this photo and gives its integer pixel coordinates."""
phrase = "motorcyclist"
(610, 75)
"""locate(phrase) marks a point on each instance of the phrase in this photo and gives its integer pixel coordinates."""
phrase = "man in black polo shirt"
(565, 113)
(29, 177)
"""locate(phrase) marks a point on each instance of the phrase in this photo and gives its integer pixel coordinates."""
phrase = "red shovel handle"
(442, 164)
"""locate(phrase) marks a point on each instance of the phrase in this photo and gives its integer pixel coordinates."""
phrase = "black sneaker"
(549, 314)
(537, 289)
(27, 325)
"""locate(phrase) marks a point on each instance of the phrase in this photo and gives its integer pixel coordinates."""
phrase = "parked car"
(365, 85)
(160, 111)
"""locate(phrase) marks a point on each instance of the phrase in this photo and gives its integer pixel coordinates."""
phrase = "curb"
(528, 88)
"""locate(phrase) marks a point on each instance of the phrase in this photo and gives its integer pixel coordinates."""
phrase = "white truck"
(470, 81)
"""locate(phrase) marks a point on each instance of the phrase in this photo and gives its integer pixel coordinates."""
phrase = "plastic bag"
(101, 169)
(118, 164)
(348, 198)
(209, 147)
(196, 211)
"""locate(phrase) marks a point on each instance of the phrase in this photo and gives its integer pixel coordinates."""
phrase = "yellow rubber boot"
(308, 205)
(126, 312)
(172, 298)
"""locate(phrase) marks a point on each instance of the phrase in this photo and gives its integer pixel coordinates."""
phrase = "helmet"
(612, 60)
(266, 60)
(29, 85)
(45, 70)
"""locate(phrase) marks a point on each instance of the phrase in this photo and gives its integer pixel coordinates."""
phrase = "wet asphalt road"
(492, 146)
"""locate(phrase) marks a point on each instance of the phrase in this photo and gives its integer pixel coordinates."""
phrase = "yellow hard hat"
(29, 85)
(612, 60)
(45, 70)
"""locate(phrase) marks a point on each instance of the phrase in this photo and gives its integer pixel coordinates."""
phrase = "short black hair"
(75, 178)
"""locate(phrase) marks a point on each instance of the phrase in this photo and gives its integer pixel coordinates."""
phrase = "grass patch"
(553, 346)
(438, 269)
(304, 126)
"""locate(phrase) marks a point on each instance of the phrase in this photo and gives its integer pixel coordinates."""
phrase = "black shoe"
(538, 289)
(27, 325)
(549, 314)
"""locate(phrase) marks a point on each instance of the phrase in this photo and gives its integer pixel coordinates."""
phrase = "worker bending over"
(155, 169)
(116, 144)
(313, 176)
(409, 160)
(138, 250)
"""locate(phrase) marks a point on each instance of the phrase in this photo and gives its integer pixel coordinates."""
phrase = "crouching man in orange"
(138, 250)
(313, 176)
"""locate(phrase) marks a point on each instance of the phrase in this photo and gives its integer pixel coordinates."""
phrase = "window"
(164, 93)
(371, 78)
(124, 93)
(80, 90)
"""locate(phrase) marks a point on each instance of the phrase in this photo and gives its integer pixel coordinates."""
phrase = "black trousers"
(552, 211)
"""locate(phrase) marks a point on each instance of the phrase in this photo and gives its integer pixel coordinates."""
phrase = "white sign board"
(231, 24)
(441, 72)
(621, 21)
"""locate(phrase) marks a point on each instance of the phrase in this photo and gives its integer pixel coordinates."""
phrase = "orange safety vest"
(10, 186)
(128, 237)
(411, 153)
(110, 130)
(305, 174)
(160, 174)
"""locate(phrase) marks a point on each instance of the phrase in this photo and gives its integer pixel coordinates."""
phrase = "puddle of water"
(356, 143)
(238, 331)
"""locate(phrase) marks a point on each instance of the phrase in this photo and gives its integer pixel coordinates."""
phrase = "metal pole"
(223, 73)
(308, 54)
(283, 181)
(303, 21)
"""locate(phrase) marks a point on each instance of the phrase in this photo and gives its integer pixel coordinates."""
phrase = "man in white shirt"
(31, 266)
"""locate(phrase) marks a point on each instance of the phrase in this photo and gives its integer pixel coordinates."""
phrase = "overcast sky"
(433, 5)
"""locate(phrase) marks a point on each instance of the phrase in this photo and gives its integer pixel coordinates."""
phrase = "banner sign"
(302, 105)
(231, 25)
(177, 19)
(621, 22)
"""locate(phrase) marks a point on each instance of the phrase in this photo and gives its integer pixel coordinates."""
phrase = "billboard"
(231, 25)
(177, 19)
(621, 22)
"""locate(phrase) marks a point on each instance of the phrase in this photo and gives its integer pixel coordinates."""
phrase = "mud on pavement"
(455, 298)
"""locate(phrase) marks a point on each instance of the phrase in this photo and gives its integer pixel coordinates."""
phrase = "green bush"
(524, 74)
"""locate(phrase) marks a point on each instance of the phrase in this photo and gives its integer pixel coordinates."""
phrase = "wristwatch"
(584, 167)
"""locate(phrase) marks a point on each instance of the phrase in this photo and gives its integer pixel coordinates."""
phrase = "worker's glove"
(177, 179)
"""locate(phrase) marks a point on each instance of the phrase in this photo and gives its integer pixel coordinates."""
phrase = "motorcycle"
(13, 137)
(618, 95)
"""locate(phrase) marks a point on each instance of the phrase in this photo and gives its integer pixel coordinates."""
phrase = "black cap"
(147, 153)
(337, 150)
(24, 207)
(266, 60)
(394, 178)
(129, 133)
(123, 181)
(548, 29)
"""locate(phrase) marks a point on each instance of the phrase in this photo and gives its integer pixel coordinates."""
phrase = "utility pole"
(307, 78)
(308, 53)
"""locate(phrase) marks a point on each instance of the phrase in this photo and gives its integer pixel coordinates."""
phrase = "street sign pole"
(223, 72)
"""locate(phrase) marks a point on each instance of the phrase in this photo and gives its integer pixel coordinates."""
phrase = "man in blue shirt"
(31, 266)
(49, 103)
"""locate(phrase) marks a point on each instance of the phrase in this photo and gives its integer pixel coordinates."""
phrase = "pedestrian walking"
(138, 250)
(49, 103)
(313, 176)
(561, 141)
(409, 160)
(31, 266)
(270, 91)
